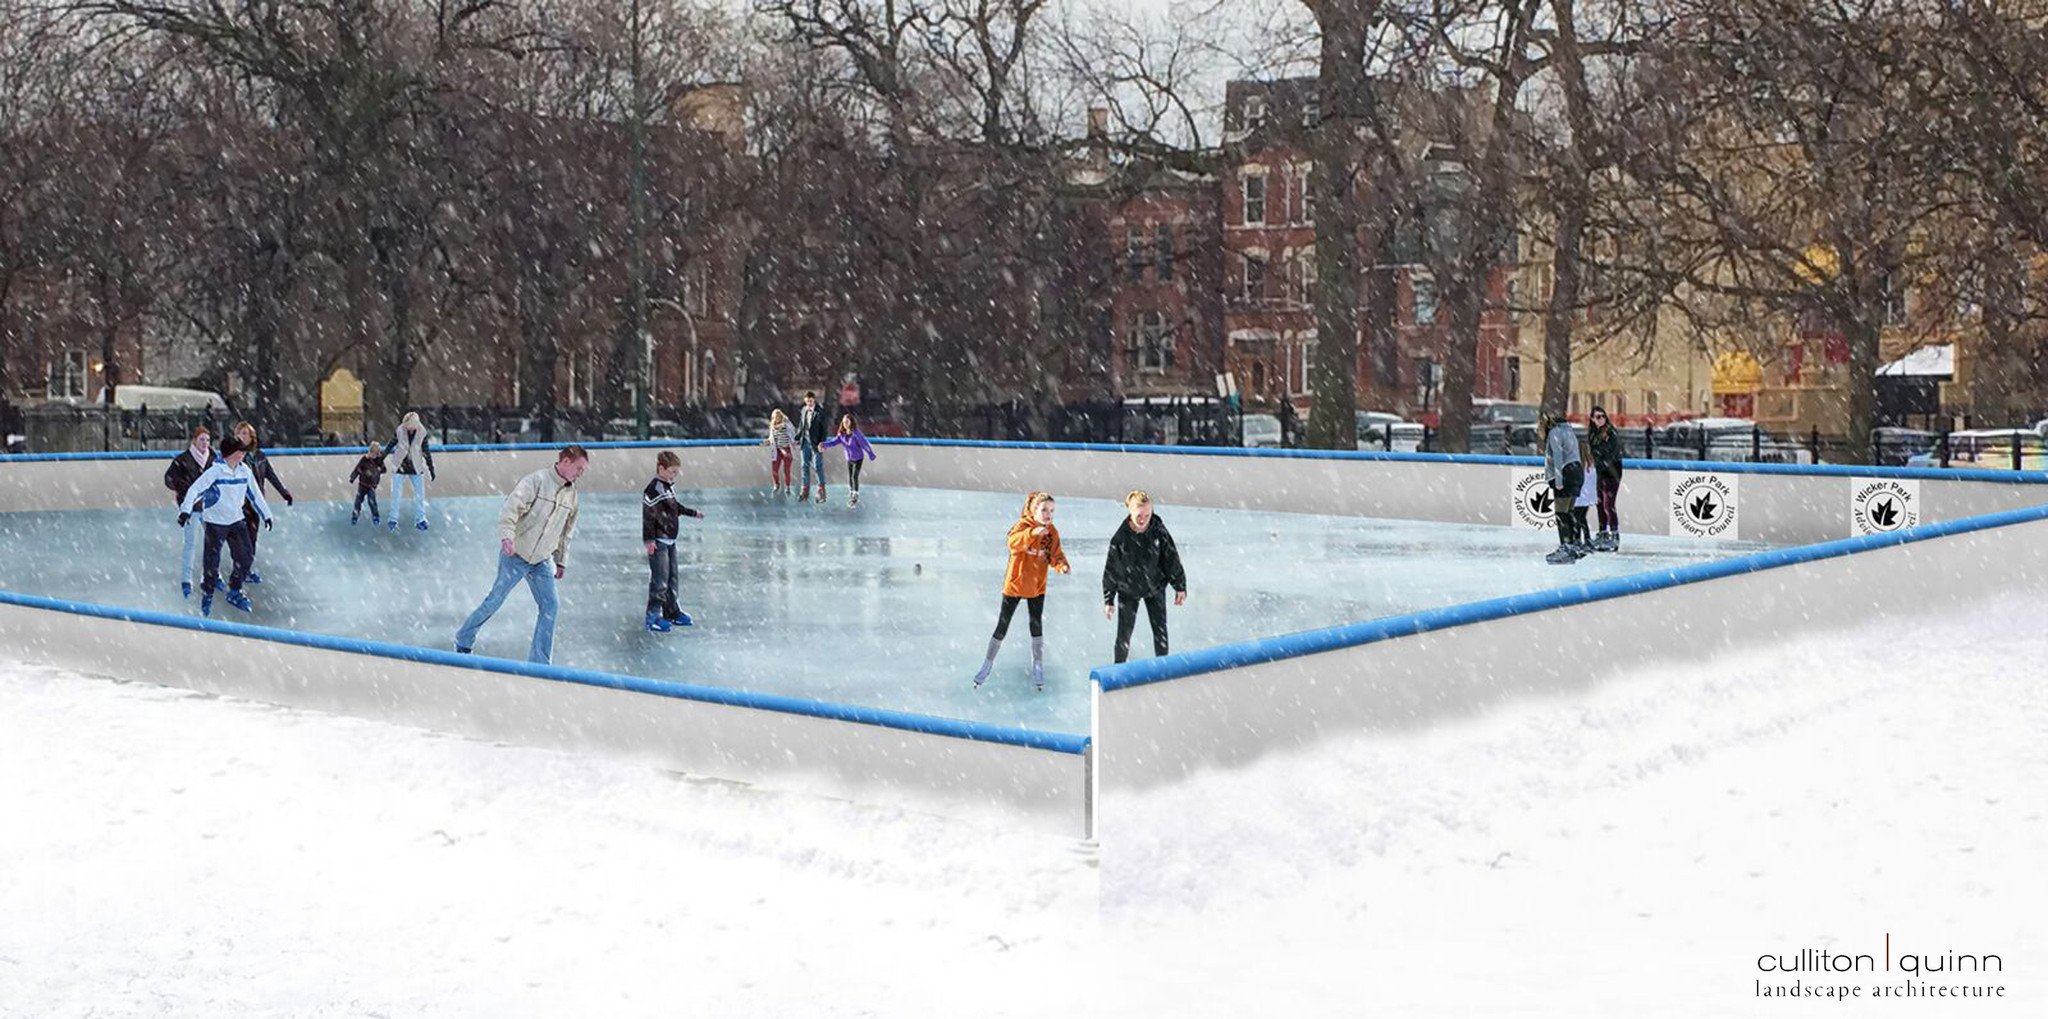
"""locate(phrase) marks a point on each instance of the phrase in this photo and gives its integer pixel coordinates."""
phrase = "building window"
(575, 394)
(1303, 352)
(1425, 300)
(1254, 279)
(67, 377)
(1254, 199)
(1894, 303)
(1649, 401)
(1254, 112)
(1162, 251)
(1302, 277)
(590, 379)
(1514, 377)
(1149, 347)
(697, 290)
(1298, 207)
(1259, 378)
(1134, 250)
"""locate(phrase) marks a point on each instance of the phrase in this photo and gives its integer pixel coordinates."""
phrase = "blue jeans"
(418, 482)
(194, 529)
(540, 579)
(814, 459)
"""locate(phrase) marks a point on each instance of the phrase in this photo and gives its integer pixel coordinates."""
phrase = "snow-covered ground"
(1629, 851)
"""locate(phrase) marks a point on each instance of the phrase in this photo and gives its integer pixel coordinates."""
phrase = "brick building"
(1270, 270)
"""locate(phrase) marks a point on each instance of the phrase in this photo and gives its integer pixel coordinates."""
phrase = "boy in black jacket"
(1143, 561)
(659, 511)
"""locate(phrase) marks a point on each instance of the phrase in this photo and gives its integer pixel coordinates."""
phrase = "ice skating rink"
(889, 605)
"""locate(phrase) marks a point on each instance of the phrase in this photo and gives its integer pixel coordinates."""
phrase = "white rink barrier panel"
(1159, 720)
(1779, 504)
(1003, 775)
(61, 481)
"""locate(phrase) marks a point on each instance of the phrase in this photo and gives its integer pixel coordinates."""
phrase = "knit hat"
(232, 445)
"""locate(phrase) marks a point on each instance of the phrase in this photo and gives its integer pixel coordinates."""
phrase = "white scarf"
(412, 446)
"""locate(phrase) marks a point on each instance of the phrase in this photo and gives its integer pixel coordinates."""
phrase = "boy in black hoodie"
(1143, 561)
(659, 511)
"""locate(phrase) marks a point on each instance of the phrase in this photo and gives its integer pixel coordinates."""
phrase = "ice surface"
(889, 605)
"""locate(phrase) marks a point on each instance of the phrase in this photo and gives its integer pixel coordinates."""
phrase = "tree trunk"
(1345, 103)
(1563, 306)
(1465, 299)
(2001, 373)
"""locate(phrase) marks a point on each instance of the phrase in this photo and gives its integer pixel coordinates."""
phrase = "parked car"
(1988, 449)
(1391, 436)
(1894, 447)
(1261, 431)
(1368, 418)
(1728, 440)
(628, 430)
(1525, 440)
(1505, 412)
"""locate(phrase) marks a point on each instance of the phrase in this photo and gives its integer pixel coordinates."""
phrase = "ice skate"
(422, 525)
(185, 589)
(657, 624)
(206, 604)
(1562, 557)
(988, 663)
(853, 500)
(253, 578)
(240, 601)
(806, 495)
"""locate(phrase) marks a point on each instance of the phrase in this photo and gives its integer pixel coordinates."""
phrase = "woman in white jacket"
(414, 466)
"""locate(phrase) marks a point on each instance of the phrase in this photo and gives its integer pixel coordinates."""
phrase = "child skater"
(217, 496)
(850, 439)
(783, 439)
(1143, 562)
(368, 472)
(659, 510)
(1034, 548)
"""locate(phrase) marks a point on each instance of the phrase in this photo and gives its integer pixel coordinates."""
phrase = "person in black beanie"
(1143, 562)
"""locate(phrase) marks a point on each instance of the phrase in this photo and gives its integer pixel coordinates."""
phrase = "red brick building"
(1148, 269)
(1270, 272)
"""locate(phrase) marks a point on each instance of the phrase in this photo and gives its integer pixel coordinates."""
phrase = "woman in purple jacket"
(857, 450)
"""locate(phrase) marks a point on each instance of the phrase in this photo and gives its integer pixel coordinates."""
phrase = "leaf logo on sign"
(1540, 501)
(1703, 508)
(1885, 514)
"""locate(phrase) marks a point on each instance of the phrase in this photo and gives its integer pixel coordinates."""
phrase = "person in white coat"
(413, 467)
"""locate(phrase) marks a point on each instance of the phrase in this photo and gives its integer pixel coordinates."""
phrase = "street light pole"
(637, 243)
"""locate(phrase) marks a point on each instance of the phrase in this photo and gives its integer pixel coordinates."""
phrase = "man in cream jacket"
(533, 546)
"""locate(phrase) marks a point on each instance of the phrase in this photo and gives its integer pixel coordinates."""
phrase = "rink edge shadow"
(1111, 678)
(930, 725)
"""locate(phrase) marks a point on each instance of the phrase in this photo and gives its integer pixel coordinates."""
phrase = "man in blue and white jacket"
(218, 496)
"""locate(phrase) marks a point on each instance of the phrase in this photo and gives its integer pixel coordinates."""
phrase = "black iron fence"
(1164, 421)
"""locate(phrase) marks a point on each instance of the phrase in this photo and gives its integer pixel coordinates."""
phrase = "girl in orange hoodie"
(1034, 548)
